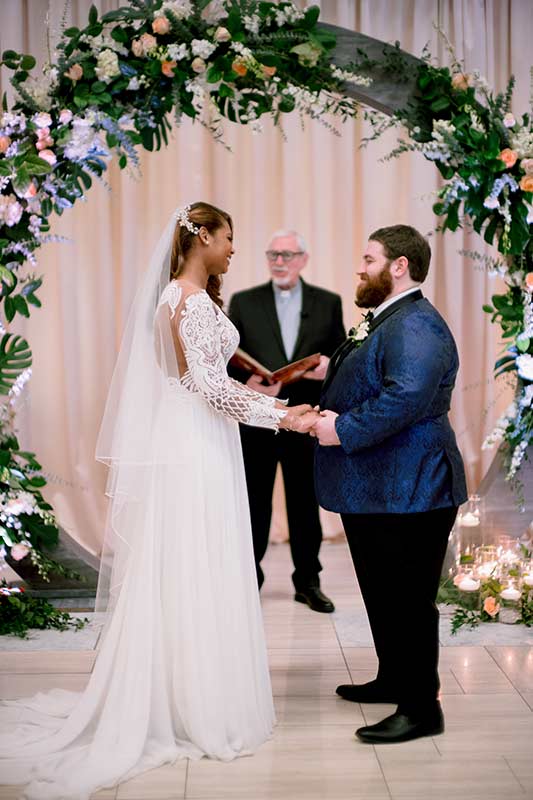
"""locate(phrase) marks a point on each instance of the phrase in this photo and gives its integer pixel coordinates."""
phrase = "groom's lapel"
(347, 346)
(393, 308)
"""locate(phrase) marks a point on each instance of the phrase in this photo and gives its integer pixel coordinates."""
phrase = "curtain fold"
(323, 185)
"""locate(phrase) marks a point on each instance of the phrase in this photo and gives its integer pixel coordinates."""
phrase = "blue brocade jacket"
(398, 452)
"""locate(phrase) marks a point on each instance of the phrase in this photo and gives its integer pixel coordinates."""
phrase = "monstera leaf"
(15, 357)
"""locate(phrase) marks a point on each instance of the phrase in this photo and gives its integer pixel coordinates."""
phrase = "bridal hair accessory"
(182, 218)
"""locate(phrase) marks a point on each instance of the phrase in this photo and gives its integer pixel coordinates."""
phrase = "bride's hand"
(306, 422)
(293, 413)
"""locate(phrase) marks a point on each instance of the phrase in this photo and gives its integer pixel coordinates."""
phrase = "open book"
(288, 374)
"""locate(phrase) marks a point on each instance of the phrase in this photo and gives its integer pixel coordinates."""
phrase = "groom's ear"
(400, 267)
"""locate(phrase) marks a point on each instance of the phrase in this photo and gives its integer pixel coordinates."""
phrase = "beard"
(371, 292)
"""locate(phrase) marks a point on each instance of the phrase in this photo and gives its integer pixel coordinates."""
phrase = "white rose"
(509, 120)
(198, 65)
(19, 551)
(202, 48)
(222, 35)
(42, 120)
(524, 365)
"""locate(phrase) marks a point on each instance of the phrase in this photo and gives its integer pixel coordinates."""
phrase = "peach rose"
(49, 156)
(490, 606)
(168, 67)
(529, 281)
(460, 81)
(526, 184)
(527, 165)
(65, 116)
(222, 35)
(5, 141)
(268, 72)
(140, 47)
(161, 25)
(239, 67)
(75, 72)
(198, 65)
(19, 551)
(509, 157)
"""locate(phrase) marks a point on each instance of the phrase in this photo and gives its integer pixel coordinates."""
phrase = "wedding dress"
(182, 670)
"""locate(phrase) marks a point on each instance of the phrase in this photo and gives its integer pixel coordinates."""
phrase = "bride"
(182, 670)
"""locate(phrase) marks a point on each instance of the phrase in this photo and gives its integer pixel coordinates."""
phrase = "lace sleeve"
(206, 369)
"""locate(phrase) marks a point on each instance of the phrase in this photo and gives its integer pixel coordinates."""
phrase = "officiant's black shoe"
(402, 728)
(371, 692)
(315, 599)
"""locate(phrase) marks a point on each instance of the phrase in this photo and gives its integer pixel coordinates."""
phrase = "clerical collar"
(391, 300)
(286, 293)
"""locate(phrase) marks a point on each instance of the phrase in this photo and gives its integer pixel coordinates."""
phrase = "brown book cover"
(287, 374)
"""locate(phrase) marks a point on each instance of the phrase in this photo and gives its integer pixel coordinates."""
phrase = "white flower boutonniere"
(359, 333)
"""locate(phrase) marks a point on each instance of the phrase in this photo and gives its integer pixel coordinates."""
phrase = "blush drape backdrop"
(323, 185)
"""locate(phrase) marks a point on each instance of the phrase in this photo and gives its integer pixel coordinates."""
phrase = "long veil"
(125, 442)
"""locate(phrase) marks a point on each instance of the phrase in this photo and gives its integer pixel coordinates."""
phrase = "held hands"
(292, 421)
(255, 382)
(324, 429)
(320, 424)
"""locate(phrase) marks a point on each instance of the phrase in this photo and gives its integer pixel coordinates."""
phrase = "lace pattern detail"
(209, 339)
(172, 296)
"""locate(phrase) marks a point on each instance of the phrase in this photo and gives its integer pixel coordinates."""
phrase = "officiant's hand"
(255, 382)
(324, 429)
(319, 372)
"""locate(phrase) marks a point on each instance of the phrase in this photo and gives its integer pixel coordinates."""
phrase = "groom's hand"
(324, 429)
(306, 422)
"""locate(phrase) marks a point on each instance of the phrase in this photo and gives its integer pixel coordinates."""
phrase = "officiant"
(279, 322)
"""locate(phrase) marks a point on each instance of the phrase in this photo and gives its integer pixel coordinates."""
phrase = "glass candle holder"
(470, 513)
(486, 562)
(527, 574)
(510, 598)
(469, 586)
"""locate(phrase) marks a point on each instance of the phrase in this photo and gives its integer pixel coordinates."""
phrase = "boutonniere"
(359, 333)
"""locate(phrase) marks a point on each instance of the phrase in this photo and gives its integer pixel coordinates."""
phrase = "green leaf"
(98, 87)
(71, 32)
(490, 232)
(15, 357)
(9, 310)
(523, 344)
(21, 305)
(93, 15)
(7, 277)
(488, 309)
(225, 91)
(122, 162)
(21, 181)
(440, 104)
(119, 35)
(311, 16)
(37, 166)
(27, 62)
(213, 75)
(10, 55)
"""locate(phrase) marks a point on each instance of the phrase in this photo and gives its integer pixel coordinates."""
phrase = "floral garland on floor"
(111, 89)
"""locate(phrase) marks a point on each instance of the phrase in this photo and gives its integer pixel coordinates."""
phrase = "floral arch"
(112, 90)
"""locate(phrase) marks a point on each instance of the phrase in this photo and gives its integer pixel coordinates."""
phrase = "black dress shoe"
(371, 692)
(315, 599)
(402, 728)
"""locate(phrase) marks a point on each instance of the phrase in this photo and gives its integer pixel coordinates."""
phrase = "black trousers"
(398, 560)
(262, 451)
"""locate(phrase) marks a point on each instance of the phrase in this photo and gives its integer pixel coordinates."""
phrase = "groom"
(388, 462)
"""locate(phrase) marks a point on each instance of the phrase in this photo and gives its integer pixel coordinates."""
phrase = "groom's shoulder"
(417, 317)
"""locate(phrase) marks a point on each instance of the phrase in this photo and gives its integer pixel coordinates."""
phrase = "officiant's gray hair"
(283, 232)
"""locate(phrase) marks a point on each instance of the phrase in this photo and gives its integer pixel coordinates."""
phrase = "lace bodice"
(204, 341)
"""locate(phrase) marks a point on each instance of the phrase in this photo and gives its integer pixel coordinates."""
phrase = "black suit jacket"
(253, 312)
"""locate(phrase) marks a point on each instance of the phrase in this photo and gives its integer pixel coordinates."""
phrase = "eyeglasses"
(285, 255)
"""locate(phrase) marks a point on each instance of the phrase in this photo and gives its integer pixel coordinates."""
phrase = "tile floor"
(487, 692)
